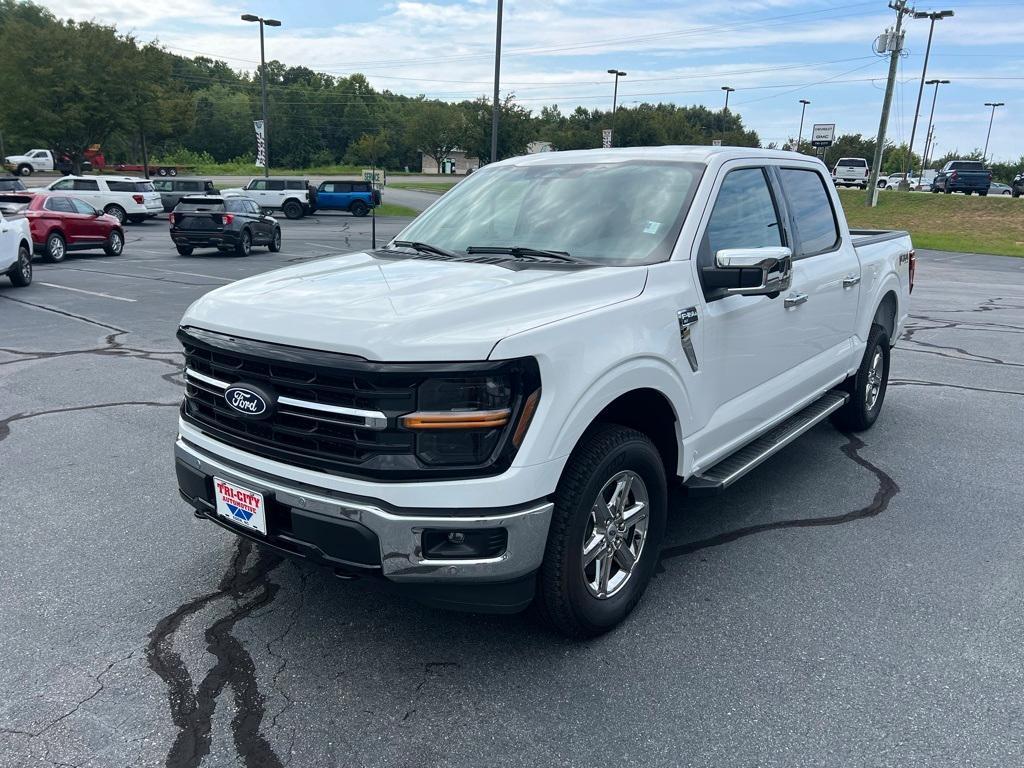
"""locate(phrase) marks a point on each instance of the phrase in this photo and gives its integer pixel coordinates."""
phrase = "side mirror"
(764, 270)
(97, 213)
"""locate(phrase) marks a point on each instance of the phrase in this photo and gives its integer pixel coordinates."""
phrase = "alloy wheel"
(614, 538)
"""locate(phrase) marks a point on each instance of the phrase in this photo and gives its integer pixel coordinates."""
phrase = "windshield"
(614, 214)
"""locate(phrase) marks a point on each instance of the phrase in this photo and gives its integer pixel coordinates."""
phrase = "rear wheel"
(21, 272)
(866, 387)
(292, 209)
(275, 240)
(184, 250)
(114, 244)
(117, 212)
(359, 208)
(605, 534)
(983, 194)
(244, 247)
(56, 249)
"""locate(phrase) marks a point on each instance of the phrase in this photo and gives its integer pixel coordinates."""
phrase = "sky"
(773, 52)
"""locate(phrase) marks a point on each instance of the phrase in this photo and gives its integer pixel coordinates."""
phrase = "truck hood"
(406, 310)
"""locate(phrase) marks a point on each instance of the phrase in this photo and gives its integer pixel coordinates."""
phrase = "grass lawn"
(390, 209)
(439, 187)
(943, 222)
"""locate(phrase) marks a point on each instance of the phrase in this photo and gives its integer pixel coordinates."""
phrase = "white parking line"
(82, 290)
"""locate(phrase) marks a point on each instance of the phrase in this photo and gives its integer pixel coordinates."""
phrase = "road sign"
(823, 134)
(606, 138)
(375, 176)
(716, 142)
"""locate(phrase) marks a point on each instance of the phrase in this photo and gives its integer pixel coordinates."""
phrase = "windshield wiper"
(427, 248)
(520, 252)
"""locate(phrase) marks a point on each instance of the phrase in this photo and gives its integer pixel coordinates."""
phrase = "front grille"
(301, 431)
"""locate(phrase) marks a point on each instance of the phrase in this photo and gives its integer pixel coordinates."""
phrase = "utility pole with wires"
(890, 41)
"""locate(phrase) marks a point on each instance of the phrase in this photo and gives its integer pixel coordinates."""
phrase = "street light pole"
(615, 94)
(727, 90)
(931, 118)
(909, 164)
(993, 104)
(263, 86)
(497, 79)
(800, 133)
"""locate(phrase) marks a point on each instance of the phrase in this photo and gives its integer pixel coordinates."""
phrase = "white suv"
(126, 198)
(290, 196)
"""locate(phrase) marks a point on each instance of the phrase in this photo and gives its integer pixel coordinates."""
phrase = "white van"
(851, 171)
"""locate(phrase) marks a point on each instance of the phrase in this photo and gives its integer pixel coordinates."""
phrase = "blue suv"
(356, 197)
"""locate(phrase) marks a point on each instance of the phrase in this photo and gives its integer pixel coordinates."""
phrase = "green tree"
(68, 95)
(435, 129)
(368, 149)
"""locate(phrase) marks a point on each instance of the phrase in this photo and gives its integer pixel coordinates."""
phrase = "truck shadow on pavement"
(246, 588)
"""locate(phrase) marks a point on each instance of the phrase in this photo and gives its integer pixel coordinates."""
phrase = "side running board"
(736, 465)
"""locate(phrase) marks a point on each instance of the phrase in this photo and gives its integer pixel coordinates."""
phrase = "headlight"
(465, 419)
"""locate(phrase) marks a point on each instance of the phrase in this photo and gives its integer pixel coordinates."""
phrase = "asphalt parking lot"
(856, 601)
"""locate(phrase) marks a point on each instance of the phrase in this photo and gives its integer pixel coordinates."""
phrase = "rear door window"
(276, 186)
(60, 205)
(295, 185)
(811, 207)
(86, 185)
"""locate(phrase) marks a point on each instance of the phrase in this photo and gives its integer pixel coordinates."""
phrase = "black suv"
(227, 223)
(173, 190)
(1017, 185)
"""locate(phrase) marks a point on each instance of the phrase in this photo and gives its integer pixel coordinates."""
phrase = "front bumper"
(365, 535)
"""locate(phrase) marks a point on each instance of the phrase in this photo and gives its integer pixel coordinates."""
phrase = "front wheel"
(24, 169)
(275, 241)
(114, 244)
(606, 531)
(21, 272)
(866, 387)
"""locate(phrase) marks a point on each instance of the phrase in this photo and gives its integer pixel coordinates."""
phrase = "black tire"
(564, 600)
(184, 250)
(161, 171)
(244, 245)
(25, 169)
(982, 194)
(21, 272)
(172, 171)
(137, 219)
(56, 248)
(1004, 194)
(117, 212)
(115, 243)
(858, 414)
(292, 209)
(275, 240)
(1016, 192)
(359, 208)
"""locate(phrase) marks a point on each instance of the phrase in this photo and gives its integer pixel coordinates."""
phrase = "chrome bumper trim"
(402, 558)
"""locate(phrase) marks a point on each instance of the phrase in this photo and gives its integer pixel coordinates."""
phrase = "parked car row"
(297, 197)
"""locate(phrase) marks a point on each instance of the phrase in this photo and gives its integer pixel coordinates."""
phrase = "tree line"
(70, 85)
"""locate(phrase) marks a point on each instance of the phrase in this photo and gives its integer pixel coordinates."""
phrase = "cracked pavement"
(857, 600)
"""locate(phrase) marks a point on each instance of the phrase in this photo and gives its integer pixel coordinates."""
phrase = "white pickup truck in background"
(851, 172)
(489, 411)
(15, 248)
(33, 161)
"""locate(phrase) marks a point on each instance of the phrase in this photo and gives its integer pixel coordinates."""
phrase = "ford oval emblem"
(248, 401)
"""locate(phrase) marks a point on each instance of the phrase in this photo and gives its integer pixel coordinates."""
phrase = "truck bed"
(863, 237)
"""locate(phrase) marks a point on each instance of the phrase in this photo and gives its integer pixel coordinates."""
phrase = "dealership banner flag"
(261, 145)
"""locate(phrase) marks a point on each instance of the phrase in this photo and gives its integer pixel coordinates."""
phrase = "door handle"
(795, 300)
(850, 280)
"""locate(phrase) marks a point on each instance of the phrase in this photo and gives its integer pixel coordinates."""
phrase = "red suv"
(60, 224)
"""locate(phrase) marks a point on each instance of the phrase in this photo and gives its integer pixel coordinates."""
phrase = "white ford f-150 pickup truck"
(489, 410)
